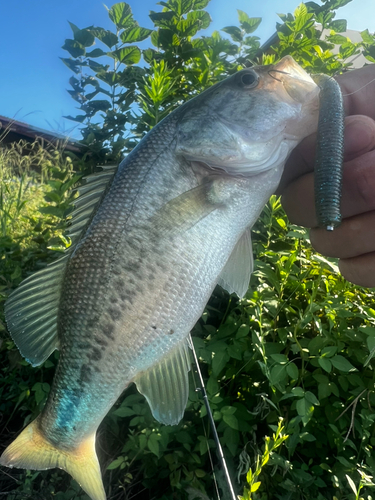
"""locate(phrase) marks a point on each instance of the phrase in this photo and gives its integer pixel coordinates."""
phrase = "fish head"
(250, 122)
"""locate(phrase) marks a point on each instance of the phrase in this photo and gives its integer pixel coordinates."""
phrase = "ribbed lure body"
(329, 153)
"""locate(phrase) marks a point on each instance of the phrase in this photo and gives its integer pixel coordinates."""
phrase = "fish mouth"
(297, 83)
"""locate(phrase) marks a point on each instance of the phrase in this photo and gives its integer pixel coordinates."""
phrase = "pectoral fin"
(235, 277)
(166, 385)
(184, 211)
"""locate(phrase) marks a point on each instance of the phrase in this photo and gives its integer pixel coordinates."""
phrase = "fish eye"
(249, 79)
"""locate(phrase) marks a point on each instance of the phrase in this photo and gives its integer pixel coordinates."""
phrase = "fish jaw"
(247, 129)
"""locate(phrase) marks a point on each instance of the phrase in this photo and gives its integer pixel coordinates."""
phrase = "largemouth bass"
(150, 242)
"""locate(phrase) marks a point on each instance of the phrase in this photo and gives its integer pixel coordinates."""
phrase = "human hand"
(353, 242)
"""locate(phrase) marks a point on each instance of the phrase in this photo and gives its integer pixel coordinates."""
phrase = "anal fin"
(166, 385)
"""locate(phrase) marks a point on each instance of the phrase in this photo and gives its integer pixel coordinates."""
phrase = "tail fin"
(31, 450)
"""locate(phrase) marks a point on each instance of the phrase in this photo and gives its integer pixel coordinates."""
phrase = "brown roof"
(16, 130)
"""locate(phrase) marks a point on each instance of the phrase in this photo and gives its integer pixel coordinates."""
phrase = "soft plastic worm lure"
(329, 153)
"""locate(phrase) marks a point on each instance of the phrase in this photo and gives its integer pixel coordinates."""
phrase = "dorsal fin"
(31, 310)
(31, 313)
(90, 196)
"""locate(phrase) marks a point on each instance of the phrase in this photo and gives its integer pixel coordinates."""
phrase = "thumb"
(359, 136)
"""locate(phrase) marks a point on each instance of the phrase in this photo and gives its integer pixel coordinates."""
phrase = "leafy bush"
(299, 347)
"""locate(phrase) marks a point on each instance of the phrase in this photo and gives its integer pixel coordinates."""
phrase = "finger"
(359, 138)
(358, 89)
(354, 237)
(358, 191)
(359, 270)
(359, 185)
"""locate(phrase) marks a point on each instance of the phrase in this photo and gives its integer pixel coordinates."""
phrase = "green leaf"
(339, 25)
(235, 351)
(96, 53)
(351, 484)
(98, 105)
(367, 38)
(136, 34)
(306, 436)
(347, 49)
(242, 332)
(328, 352)
(231, 420)
(186, 28)
(324, 391)
(255, 486)
(278, 374)
(231, 439)
(279, 358)
(311, 398)
(228, 410)
(74, 28)
(121, 15)
(116, 463)
(368, 330)
(305, 410)
(219, 361)
(234, 32)
(162, 19)
(337, 39)
(183, 437)
(199, 473)
(248, 24)
(325, 364)
(74, 48)
(56, 211)
(371, 347)
(127, 55)
(301, 17)
(201, 17)
(84, 37)
(153, 444)
(200, 4)
(292, 371)
(124, 411)
(72, 64)
(78, 118)
(105, 36)
(342, 364)
(298, 392)
(212, 386)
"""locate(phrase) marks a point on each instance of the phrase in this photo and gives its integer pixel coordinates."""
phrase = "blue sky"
(33, 80)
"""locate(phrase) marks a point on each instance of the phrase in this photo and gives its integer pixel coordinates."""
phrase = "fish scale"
(150, 243)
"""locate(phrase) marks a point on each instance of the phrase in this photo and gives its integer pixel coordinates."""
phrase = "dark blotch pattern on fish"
(85, 374)
(108, 330)
(96, 354)
(115, 313)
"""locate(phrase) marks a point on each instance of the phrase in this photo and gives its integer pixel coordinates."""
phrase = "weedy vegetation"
(289, 369)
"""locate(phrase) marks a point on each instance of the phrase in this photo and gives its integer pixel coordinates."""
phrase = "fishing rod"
(202, 390)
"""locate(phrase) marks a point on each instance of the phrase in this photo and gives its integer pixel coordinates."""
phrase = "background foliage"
(289, 368)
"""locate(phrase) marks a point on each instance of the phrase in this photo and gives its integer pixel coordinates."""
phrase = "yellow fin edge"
(31, 450)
